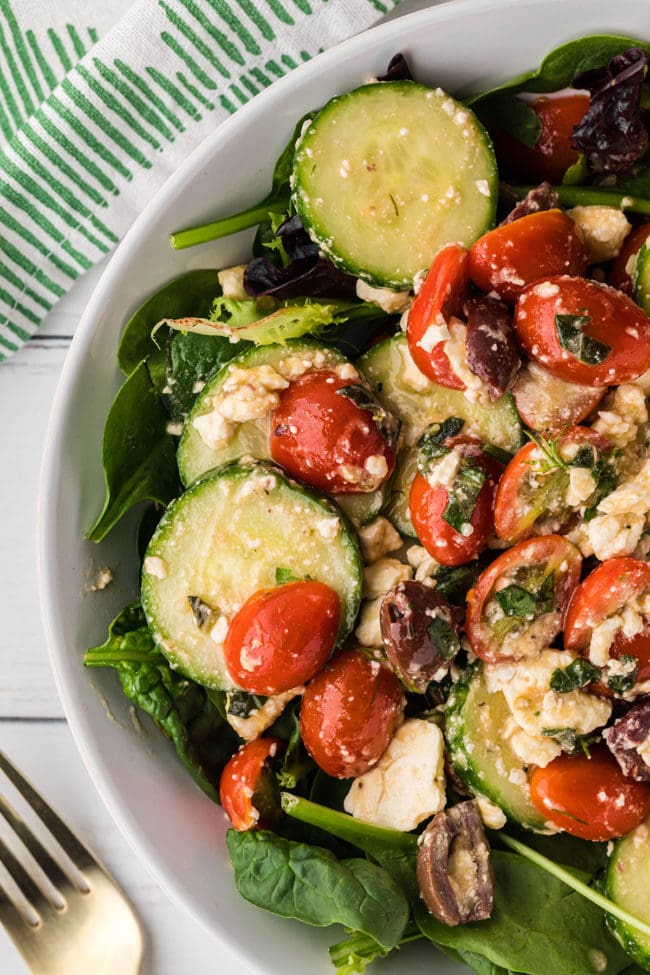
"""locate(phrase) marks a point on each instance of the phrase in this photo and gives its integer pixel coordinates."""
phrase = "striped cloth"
(92, 123)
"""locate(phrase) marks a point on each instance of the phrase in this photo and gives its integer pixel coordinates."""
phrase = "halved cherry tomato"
(616, 347)
(553, 153)
(497, 634)
(427, 505)
(546, 403)
(330, 432)
(513, 255)
(349, 713)
(438, 300)
(589, 797)
(281, 637)
(619, 275)
(604, 593)
(531, 498)
(242, 785)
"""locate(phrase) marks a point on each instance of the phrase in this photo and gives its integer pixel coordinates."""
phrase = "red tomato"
(427, 504)
(619, 327)
(240, 780)
(531, 500)
(510, 257)
(527, 565)
(548, 404)
(553, 153)
(281, 637)
(440, 297)
(589, 797)
(325, 438)
(619, 276)
(603, 593)
(349, 713)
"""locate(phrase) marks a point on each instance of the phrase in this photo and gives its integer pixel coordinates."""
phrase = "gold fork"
(67, 916)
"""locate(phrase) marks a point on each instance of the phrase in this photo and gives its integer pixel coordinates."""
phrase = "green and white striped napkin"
(94, 118)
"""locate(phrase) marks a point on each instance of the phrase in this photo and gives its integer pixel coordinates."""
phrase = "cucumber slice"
(628, 878)
(416, 401)
(251, 438)
(224, 539)
(397, 507)
(385, 176)
(642, 278)
(482, 759)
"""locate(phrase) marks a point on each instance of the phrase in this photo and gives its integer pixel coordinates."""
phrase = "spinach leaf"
(578, 673)
(563, 63)
(514, 116)
(192, 360)
(191, 294)
(138, 455)
(538, 926)
(571, 337)
(296, 763)
(309, 883)
(276, 201)
(181, 708)
(463, 494)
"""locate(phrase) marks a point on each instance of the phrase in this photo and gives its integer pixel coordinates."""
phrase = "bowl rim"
(58, 652)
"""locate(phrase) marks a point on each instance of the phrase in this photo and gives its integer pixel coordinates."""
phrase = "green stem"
(578, 885)
(250, 217)
(363, 835)
(571, 196)
(363, 946)
(109, 658)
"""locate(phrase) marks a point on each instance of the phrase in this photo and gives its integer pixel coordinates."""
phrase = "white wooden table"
(33, 730)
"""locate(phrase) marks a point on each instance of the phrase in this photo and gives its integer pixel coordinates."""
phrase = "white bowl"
(462, 46)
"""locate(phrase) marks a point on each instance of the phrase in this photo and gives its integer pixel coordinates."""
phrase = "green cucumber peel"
(569, 878)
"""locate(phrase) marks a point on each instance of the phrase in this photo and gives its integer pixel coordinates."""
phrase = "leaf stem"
(561, 873)
(250, 217)
(591, 195)
(363, 835)
(109, 658)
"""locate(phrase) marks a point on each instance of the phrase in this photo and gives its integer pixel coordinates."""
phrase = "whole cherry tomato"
(428, 506)
(553, 152)
(605, 592)
(531, 498)
(518, 605)
(243, 791)
(438, 300)
(582, 331)
(513, 255)
(619, 273)
(349, 713)
(281, 637)
(589, 797)
(330, 433)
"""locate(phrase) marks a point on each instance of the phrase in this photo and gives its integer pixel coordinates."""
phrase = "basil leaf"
(362, 397)
(576, 674)
(572, 338)
(516, 601)
(546, 595)
(566, 737)
(283, 575)
(513, 116)
(444, 638)
(619, 683)
(461, 498)
(204, 614)
(241, 704)
(454, 581)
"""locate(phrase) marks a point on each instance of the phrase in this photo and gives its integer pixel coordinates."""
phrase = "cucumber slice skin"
(386, 175)
(642, 278)
(627, 884)
(251, 438)
(481, 758)
(388, 367)
(222, 540)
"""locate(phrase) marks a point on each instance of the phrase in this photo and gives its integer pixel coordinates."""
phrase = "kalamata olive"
(628, 740)
(419, 632)
(491, 348)
(453, 866)
(543, 197)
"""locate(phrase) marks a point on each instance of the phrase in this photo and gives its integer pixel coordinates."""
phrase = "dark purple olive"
(420, 634)
(491, 348)
(628, 740)
(453, 867)
(543, 197)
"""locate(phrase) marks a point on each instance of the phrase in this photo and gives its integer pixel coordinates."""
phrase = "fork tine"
(50, 867)
(10, 917)
(29, 889)
(66, 839)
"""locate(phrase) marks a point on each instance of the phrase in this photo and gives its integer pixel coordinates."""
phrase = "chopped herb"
(577, 674)
(619, 683)
(241, 705)
(431, 443)
(462, 496)
(586, 457)
(565, 737)
(520, 603)
(444, 637)
(498, 453)
(605, 475)
(362, 397)
(204, 614)
(454, 581)
(572, 338)
(549, 447)
(283, 575)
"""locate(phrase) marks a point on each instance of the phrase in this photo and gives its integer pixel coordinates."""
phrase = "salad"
(395, 595)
